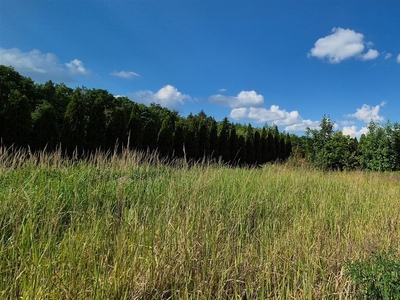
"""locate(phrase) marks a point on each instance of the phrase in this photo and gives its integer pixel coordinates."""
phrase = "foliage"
(377, 277)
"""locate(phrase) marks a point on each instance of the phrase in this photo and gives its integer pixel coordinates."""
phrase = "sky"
(283, 62)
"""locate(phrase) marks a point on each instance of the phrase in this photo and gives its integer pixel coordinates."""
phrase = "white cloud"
(342, 44)
(222, 90)
(302, 126)
(367, 113)
(125, 74)
(398, 58)
(371, 54)
(388, 55)
(262, 115)
(243, 99)
(168, 96)
(76, 67)
(41, 66)
(353, 132)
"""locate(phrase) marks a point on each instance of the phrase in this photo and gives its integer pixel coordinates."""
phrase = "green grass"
(131, 227)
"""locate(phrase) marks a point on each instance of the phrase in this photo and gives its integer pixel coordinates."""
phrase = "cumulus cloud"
(340, 45)
(353, 132)
(371, 54)
(125, 74)
(168, 96)
(41, 66)
(243, 99)
(367, 113)
(302, 126)
(262, 115)
(76, 67)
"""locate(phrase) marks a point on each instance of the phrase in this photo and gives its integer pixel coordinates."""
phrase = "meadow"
(131, 226)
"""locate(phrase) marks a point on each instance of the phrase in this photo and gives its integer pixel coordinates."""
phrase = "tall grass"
(132, 227)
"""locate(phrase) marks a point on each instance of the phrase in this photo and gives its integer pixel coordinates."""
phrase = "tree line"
(325, 148)
(47, 116)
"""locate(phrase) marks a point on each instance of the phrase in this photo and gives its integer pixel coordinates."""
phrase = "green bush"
(377, 277)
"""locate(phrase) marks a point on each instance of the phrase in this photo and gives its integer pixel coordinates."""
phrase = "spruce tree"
(242, 150)
(204, 139)
(264, 146)
(257, 148)
(234, 146)
(191, 141)
(250, 151)
(214, 139)
(223, 141)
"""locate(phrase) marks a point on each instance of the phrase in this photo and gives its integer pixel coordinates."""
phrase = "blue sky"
(282, 62)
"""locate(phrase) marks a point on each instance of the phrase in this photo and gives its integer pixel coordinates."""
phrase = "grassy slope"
(125, 229)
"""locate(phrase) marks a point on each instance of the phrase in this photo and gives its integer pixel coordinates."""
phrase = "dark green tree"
(45, 134)
(135, 128)
(257, 148)
(165, 139)
(264, 145)
(117, 130)
(271, 147)
(250, 150)
(74, 129)
(223, 140)
(150, 135)
(18, 120)
(191, 140)
(213, 139)
(234, 146)
(97, 126)
(179, 138)
(242, 150)
(204, 138)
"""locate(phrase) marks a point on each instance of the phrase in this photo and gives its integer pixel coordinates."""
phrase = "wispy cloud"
(342, 44)
(398, 58)
(125, 74)
(168, 96)
(42, 66)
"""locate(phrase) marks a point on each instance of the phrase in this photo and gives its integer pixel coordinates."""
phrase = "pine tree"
(271, 153)
(264, 146)
(242, 150)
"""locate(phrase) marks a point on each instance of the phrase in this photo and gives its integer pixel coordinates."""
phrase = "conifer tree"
(116, 130)
(165, 139)
(271, 146)
(242, 150)
(191, 140)
(223, 141)
(179, 139)
(150, 134)
(214, 139)
(204, 139)
(234, 146)
(257, 148)
(264, 146)
(250, 151)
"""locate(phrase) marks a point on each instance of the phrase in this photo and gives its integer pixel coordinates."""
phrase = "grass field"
(130, 227)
